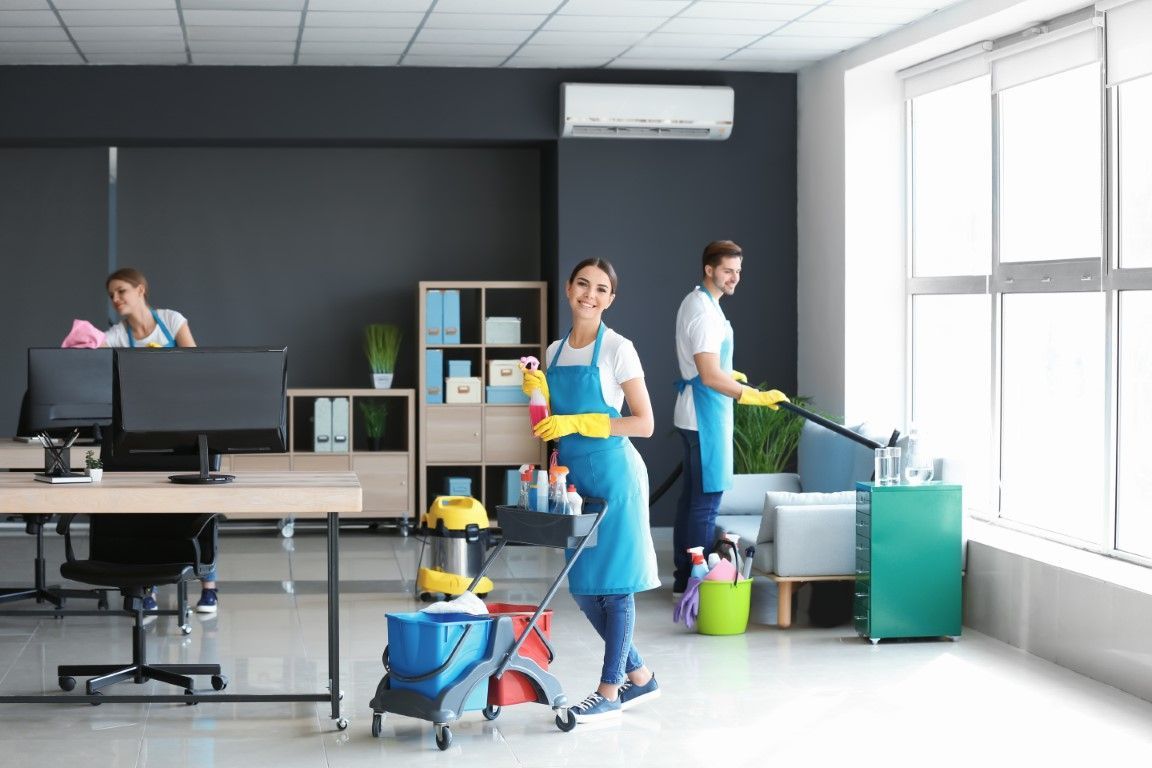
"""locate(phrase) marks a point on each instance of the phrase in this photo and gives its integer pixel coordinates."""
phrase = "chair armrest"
(816, 540)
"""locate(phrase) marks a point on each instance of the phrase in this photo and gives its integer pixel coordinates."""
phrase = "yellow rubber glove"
(769, 398)
(533, 380)
(588, 424)
(737, 376)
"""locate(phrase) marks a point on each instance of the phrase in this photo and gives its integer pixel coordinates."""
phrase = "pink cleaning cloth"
(83, 335)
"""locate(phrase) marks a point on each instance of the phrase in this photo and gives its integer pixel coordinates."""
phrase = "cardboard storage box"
(505, 373)
(501, 330)
(462, 389)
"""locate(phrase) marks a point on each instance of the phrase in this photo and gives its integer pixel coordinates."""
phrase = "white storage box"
(501, 330)
(505, 373)
(462, 389)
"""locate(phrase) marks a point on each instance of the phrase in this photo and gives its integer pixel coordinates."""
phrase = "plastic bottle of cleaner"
(525, 485)
(557, 490)
(540, 492)
(575, 503)
(537, 405)
(699, 567)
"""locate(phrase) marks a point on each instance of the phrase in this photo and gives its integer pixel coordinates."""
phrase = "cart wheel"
(219, 682)
(67, 683)
(342, 724)
(490, 712)
(404, 529)
(443, 737)
(384, 658)
(566, 721)
(377, 724)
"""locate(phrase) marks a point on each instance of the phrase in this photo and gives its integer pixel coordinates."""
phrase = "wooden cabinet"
(385, 466)
(479, 440)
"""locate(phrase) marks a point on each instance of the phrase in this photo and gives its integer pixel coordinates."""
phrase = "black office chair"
(133, 553)
(40, 591)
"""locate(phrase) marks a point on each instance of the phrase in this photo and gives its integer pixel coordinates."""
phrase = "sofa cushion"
(831, 462)
(746, 496)
(775, 499)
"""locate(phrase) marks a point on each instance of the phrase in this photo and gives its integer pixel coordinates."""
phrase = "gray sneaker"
(631, 694)
(595, 708)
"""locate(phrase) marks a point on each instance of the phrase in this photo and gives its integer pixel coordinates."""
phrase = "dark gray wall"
(258, 201)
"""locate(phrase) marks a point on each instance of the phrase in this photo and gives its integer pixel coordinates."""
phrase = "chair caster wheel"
(67, 683)
(190, 692)
(96, 693)
(342, 724)
(219, 682)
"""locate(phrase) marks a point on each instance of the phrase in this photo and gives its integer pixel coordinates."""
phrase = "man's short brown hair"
(718, 250)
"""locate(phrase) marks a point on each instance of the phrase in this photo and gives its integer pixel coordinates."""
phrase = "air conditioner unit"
(645, 111)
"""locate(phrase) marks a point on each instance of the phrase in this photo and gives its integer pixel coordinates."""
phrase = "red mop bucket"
(514, 687)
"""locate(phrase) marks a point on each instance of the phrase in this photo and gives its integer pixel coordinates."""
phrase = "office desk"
(252, 494)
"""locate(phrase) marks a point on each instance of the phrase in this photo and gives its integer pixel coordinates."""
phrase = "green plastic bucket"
(724, 607)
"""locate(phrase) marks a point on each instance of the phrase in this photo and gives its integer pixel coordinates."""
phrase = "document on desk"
(71, 478)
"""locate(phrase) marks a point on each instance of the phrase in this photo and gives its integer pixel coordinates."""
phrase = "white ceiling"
(748, 35)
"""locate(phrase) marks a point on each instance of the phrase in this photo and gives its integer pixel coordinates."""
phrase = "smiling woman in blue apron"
(591, 374)
(143, 326)
(707, 388)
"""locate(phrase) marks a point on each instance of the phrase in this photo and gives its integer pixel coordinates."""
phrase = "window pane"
(952, 180)
(1052, 419)
(1134, 419)
(952, 387)
(1135, 172)
(1050, 168)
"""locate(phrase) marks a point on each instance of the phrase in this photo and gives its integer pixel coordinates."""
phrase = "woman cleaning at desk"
(591, 373)
(143, 326)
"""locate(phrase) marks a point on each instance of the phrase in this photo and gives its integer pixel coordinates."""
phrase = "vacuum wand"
(837, 428)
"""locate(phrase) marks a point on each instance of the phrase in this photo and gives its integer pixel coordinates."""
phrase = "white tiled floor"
(768, 697)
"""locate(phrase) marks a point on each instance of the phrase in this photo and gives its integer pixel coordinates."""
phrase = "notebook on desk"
(69, 478)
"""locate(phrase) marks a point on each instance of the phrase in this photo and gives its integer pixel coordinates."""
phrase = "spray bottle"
(699, 567)
(575, 503)
(537, 404)
(524, 502)
(558, 490)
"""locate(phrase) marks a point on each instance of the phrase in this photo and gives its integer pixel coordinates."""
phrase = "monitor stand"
(205, 477)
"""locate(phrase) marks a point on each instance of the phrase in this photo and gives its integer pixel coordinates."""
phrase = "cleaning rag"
(83, 335)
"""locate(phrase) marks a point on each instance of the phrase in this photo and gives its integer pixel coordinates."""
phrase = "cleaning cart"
(437, 666)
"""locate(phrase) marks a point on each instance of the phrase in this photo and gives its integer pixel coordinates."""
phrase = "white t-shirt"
(700, 327)
(117, 335)
(618, 363)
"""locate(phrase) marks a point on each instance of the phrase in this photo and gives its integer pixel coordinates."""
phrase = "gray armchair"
(802, 525)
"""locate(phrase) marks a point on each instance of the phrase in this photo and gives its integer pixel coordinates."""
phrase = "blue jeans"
(695, 514)
(613, 617)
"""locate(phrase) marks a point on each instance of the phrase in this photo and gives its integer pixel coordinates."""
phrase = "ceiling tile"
(242, 33)
(504, 6)
(723, 27)
(587, 38)
(138, 58)
(24, 5)
(13, 34)
(36, 46)
(658, 39)
(90, 47)
(391, 6)
(452, 61)
(557, 62)
(143, 18)
(749, 11)
(926, 5)
(358, 34)
(40, 58)
(241, 5)
(473, 36)
(704, 53)
(461, 49)
(242, 18)
(118, 5)
(244, 60)
(869, 15)
(524, 21)
(560, 23)
(347, 60)
(654, 63)
(571, 51)
(797, 42)
(241, 46)
(28, 19)
(353, 49)
(357, 19)
(834, 29)
(795, 54)
(661, 8)
(127, 33)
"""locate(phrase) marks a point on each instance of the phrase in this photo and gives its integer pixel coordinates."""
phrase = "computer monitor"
(68, 389)
(199, 400)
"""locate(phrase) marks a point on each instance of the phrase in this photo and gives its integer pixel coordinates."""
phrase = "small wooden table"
(252, 494)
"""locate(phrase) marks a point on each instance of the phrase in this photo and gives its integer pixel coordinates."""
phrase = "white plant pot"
(382, 380)
(96, 474)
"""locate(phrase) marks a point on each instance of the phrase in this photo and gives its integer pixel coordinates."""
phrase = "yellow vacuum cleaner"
(455, 532)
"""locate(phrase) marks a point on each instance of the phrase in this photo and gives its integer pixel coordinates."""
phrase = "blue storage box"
(419, 643)
(434, 373)
(451, 316)
(434, 316)
(458, 486)
(505, 396)
(511, 487)
(460, 368)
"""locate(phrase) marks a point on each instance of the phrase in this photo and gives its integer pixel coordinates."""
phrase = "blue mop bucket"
(427, 652)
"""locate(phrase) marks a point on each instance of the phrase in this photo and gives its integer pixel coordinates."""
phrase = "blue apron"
(714, 418)
(623, 560)
(159, 324)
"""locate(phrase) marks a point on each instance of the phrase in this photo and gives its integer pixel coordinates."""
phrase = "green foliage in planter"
(765, 440)
(91, 461)
(381, 346)
(375, 413)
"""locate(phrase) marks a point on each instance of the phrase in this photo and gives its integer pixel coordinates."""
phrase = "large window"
(1035, 382)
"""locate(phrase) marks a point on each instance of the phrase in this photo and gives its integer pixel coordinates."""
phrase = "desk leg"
(334, 617)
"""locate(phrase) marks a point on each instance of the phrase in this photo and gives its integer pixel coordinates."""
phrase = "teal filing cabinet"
(908, 561)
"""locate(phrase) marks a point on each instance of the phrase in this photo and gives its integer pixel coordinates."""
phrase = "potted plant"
(375, 414)
(381, 345)
(765, 440)
(93, 466)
